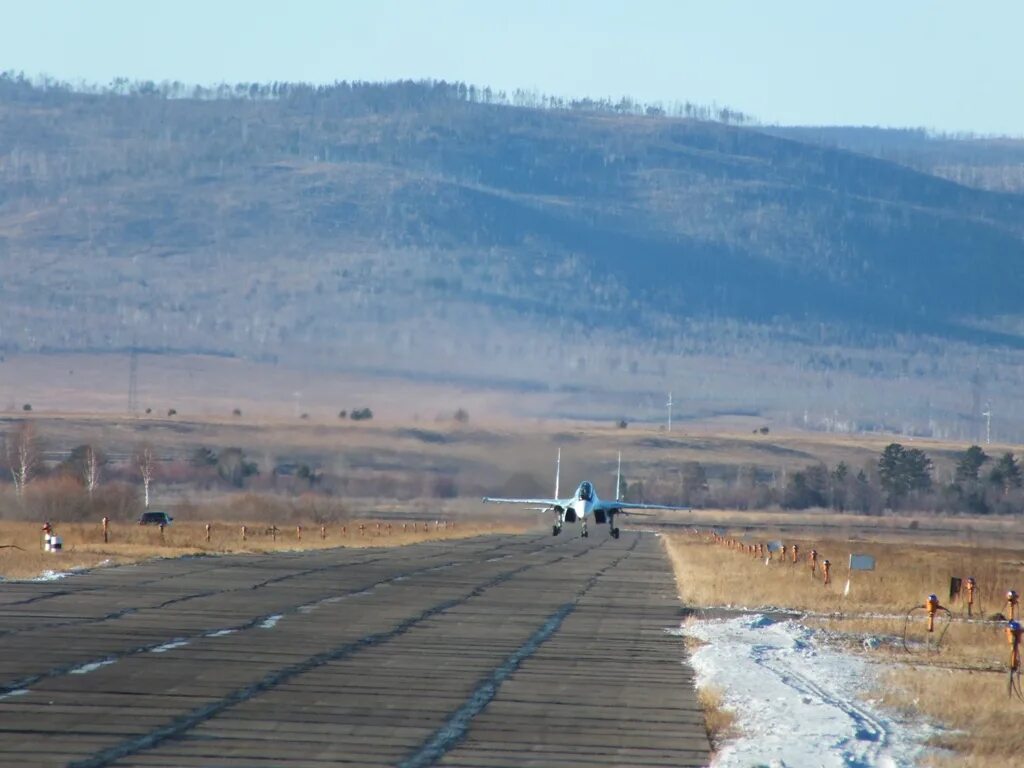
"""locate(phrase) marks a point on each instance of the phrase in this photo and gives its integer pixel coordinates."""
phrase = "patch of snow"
(760, 622)
(12, 694)
(796, 701)
(169, 646)
(91, 667)
(271, 621)
(52, 576)
(221, 632)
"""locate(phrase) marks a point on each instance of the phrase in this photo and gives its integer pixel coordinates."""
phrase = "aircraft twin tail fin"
(618, 480)
(558, 471)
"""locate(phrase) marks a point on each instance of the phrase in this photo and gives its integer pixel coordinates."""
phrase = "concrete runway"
(494, 651)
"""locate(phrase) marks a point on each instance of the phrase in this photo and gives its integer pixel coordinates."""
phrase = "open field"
(84, 546)
(907, 529)
(428, 470)
(959, 681)
(905, 575)
(408, 458)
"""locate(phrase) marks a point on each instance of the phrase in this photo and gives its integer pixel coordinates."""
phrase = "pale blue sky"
(940, 64)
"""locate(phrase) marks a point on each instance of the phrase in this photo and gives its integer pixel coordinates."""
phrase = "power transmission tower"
(669, 411)
(988, 423)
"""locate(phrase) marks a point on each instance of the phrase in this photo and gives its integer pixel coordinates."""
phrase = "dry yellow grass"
(711, 574)
(718, 721)
(84, 546)
(962, 684)
(984, 722)
(989, 530)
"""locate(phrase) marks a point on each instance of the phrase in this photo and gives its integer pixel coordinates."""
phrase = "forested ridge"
(425, 227)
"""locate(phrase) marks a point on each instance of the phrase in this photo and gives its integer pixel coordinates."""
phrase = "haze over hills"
(995, 163)
(845, 279)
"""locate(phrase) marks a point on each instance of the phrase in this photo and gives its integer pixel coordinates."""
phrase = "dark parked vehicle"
(155, 518)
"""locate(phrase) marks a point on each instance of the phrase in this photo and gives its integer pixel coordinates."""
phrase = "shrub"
(203, 457)
(361, 414)
(233, 467)
(63, 499)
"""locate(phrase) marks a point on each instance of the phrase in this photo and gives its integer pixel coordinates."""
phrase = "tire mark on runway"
(56, 672)
(66, 592)
(122, 612)
(196, 717)
(454, 730)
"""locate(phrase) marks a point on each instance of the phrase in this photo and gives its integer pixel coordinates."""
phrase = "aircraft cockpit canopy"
(586, 492)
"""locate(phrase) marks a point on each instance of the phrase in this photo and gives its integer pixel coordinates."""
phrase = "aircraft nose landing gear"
(556, 529)
(615, 533)
(584, 532)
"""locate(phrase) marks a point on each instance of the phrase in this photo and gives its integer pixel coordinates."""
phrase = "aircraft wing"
(539, 503)
(625, 506)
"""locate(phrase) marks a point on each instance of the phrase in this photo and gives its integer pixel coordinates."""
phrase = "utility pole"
(669, 411)
(988, 423)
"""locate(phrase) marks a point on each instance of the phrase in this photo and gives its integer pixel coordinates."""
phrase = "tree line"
(87, 482)
(899, 479)
(348, 97)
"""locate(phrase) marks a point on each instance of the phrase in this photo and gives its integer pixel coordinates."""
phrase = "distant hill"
(986, 162)
(423, 230)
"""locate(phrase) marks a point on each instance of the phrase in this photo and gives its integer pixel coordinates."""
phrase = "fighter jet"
(583, 504)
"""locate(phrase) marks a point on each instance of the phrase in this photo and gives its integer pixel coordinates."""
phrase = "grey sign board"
(862, 562)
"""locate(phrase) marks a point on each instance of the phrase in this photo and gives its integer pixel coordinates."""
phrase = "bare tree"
(23, 456)
(91, 469)
(145, 461)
